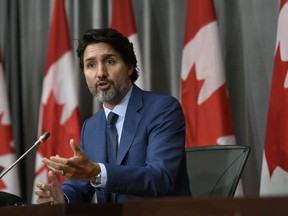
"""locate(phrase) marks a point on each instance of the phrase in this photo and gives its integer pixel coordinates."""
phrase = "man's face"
(107, 76)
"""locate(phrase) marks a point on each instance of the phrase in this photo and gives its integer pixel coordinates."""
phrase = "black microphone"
(41, 139)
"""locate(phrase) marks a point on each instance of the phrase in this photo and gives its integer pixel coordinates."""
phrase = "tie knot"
(112, 118)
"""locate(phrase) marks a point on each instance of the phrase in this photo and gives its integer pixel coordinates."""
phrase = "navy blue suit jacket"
(151, 156)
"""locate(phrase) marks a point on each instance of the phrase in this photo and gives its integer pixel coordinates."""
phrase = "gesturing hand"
(78, 167)
(51, 192)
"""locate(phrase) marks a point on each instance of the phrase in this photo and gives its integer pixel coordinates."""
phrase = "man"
(150, 159)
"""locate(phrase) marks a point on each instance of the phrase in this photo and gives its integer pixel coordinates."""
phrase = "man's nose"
(101, 71)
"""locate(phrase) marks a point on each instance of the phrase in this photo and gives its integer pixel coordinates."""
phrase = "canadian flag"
(59, 112)
(204, 96)
(9, 183)
(274, 177)
(124, 22)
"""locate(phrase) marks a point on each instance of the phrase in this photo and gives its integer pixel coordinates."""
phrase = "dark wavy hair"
(116, 40)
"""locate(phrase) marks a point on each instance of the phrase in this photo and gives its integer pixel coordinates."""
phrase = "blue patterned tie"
(112, 137)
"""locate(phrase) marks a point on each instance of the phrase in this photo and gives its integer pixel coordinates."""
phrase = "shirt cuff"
(103, 177)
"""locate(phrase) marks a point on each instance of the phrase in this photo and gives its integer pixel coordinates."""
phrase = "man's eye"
(110, 62)
(90, 65)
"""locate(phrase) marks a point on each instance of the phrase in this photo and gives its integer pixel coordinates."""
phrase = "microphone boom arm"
(40, 140)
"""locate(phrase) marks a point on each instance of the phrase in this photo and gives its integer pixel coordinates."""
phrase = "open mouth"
(103, 85)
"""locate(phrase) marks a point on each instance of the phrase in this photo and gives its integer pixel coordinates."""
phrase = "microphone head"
(44, 136)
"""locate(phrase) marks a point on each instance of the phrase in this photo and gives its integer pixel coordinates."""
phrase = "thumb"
(56, 193)
(75, 148)
(53, 178)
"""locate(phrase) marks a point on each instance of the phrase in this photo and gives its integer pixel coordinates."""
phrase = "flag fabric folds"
(204, 96)
(59, 112)
(274, 176)
(10, 182)
(123, 21)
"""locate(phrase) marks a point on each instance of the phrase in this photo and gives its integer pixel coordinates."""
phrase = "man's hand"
(78, 167)
(50, 192)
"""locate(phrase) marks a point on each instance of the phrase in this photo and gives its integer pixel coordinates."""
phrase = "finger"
(58, 160)
(75, 148)
(53, 166)
(53, 179)
(43, 187)
(44, 199)
(42, 193)
(55, 163)
(40, 185)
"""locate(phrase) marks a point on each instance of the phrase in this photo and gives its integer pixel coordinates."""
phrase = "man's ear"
(130, 69)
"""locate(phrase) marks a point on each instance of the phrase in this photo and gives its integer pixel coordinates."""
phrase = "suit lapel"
(131, 122)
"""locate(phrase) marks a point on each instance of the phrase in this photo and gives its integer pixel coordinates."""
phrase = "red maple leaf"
(58, 142)
(206, 122)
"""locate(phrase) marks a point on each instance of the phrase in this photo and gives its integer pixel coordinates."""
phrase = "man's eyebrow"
(105, 56)
(108, 55)
(89, 59)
